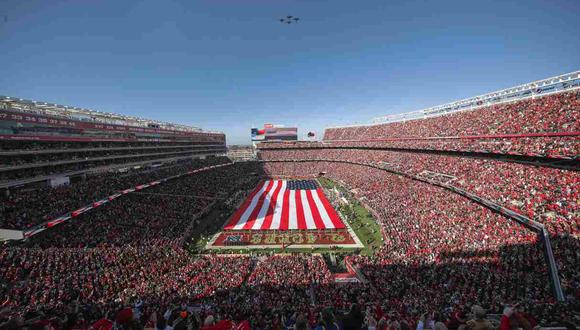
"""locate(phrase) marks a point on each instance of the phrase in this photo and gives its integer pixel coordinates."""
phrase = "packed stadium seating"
(413, 214)
(18, 165)
(23, 209)
(377, 188)
(130, 251)
(126, 263)
(20, 158)
(547, 195)
(553, 121)
(159, 212)
(553, 113)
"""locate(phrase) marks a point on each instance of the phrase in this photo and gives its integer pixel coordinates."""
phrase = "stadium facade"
(41, 142)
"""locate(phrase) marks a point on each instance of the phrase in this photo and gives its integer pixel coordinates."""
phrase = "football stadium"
(462, 214)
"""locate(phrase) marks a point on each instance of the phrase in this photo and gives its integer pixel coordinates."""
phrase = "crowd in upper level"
(553, 113)
(554, 147)
(8, 146)
(19, 159)
(554, 118)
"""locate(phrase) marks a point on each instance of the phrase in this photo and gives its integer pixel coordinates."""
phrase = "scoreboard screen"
(273, 132)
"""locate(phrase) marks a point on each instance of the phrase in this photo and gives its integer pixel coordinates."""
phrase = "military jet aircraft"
(289, 19)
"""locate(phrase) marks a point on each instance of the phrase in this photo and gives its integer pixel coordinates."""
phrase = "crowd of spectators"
(285, 270)
(134, 217)
(129, 248)
(164, 211)
(19, 159)
(26, 208)
(559, 147)
(443, 257)
(554, 114)
(8, 146)
(547, 195)
(423, 223)
(74, 164)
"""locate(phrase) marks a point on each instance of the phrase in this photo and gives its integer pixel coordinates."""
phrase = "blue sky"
(229, 64)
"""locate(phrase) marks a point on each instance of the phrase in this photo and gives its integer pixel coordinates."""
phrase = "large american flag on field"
(285, 205)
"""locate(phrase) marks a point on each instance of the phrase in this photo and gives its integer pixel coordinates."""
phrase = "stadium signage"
(30, 118)
(284, 238)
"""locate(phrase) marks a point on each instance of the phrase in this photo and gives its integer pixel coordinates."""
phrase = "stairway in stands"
(338, 269)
